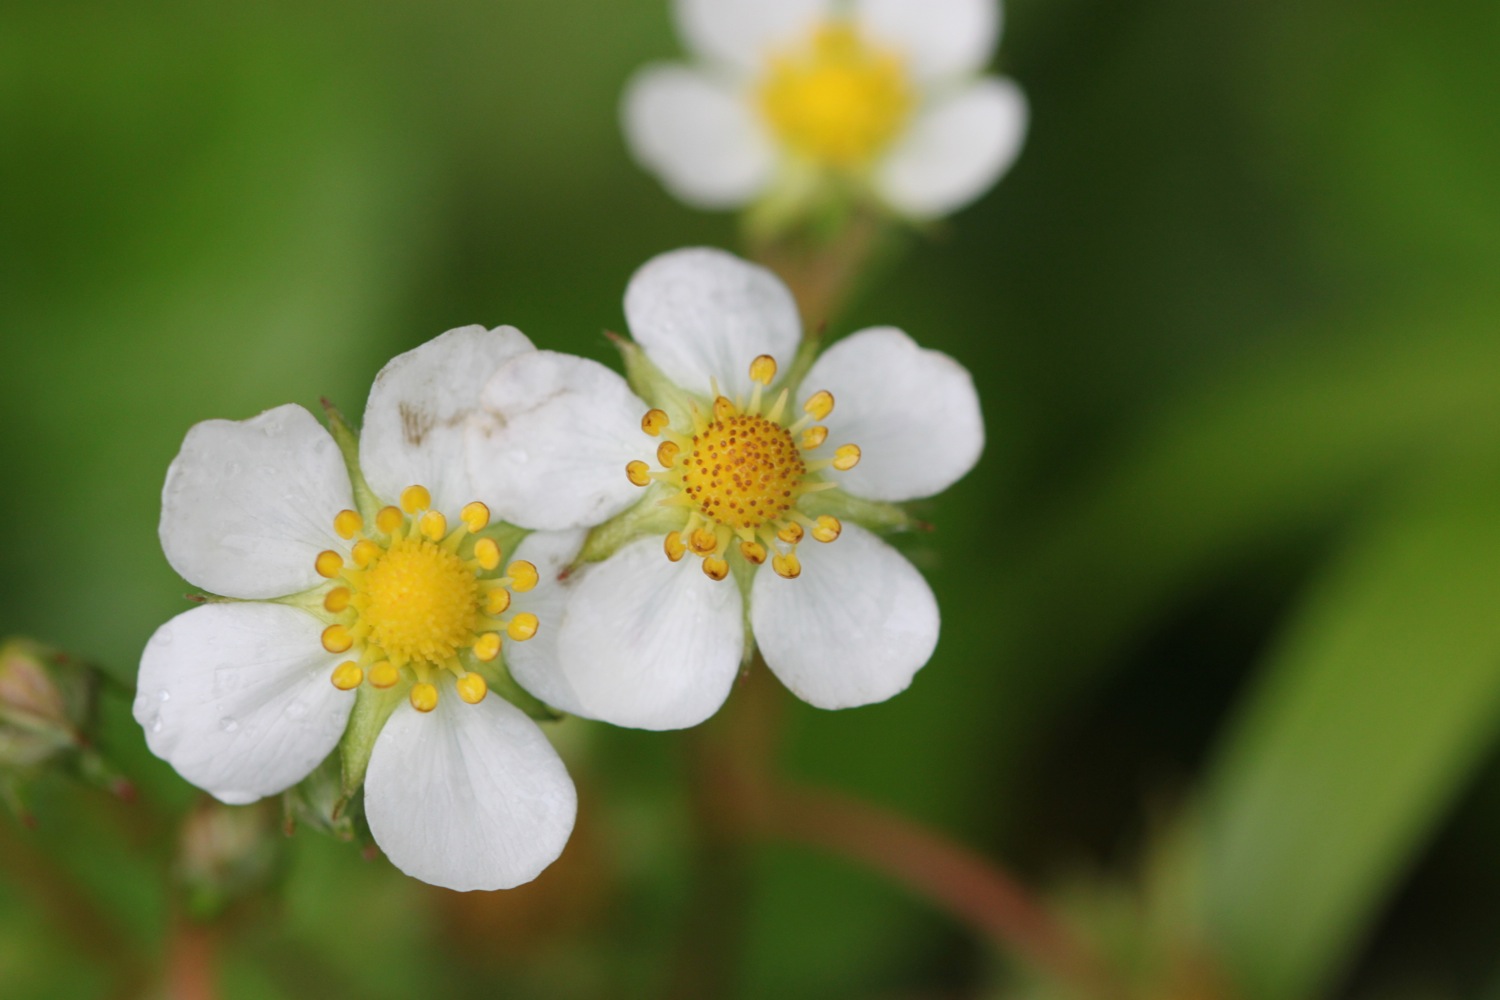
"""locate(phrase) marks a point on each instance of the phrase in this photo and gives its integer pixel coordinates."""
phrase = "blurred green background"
(1220, 667)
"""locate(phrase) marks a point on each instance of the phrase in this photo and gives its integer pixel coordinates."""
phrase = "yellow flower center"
(837, 101)
(740, 475)
(414, 599)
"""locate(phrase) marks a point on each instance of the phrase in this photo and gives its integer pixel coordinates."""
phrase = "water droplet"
(229, 725)
(164, 694)
(156, 724)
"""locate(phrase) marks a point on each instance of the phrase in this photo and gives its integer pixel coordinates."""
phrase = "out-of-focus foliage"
(1231, 554)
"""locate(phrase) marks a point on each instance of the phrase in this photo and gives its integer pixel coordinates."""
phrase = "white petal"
(413, 432)
(550, 443)
(238, 698)
(249, 504)
(699, 135)
(853, 629)
(955, 150)
(534, 663)
(940, 39)
(913, 412)
(742, 34)
(469, 796)
(648, 643)
(703, 314)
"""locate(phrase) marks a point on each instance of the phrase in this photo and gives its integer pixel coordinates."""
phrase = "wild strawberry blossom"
(377, 573)
(789, 99)
(724, 502)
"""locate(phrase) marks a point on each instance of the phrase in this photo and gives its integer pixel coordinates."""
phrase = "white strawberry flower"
(367, 570)
(721, 499)
(789, 98)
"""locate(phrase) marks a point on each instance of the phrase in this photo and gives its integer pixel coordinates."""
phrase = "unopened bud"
(227, 853)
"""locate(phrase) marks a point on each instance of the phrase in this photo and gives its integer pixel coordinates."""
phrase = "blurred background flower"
(1220, 665)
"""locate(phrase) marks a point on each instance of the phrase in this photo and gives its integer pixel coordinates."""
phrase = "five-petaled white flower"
(714, 539)
(381, 571)
(882, 96)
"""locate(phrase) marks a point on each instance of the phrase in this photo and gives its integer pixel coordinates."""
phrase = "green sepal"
(348, 442)
(372, 707)
(873, 514)
(321, 802)
(648, 382)
(647, 517)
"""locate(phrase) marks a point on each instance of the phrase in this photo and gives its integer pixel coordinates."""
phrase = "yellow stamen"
(496, 601)
(846, 457)
(787, 565)
(716, 568)
(814, 437)
(389, 519)
(336, 600)
(820, 405)
(487, 552)
(703, 541)
(724, 409)
(348, 523)
(347, 676)
(791, 533)
(666, 454)
(472, 688)
(383, 675)
(475, 516)
(675, 547)
(523, 576)
(366, 552)
(328, 564)
(754, 552)
(415, 498)
(424, 697)
(763, 369)
(638, 472)
(522, 627)
(827, 528)
(487, 647)
(434, 525)
(655, 421)
(336, 639)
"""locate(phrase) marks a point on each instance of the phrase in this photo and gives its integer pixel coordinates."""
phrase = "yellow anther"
(813, 437)
(703, 541)
(328, 564)
(337, 600)
(820, 405)
(522, 627)
(724, 409)
(487, 551)
(655, 421)
(424, 697)
(347, 676)
(639, 473)
(827, 528)
(336, 639)
(384, 675)
(487, 646)
(666, 454)
(788, 565)
(763, 369)
(846, 458)
(791, 533)
(475, 516)
(754, 552)
(415, 498)
(348, 523)
(366, 552)
(472, 688)
(434, 525)
(715, 568)
(523, 576)
(496, 601)
(676, 548)
(389, 519)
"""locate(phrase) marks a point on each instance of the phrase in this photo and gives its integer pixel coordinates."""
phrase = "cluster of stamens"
(740, 473)
(838, 101)
(415, 599)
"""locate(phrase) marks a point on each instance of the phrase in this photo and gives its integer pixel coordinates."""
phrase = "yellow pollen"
(763, 369)
(675, 547)
(754, 552)
(336, 600)
(347, 676)
(639, 473)
(497, 601)
(724, 409)
(655, 421)
(365, 552)
(336, 639)
(487, 646)
(475, 516)
(433, 525)
(328, 564)
(522, 627)
(523, 576)
(787, 565)
(819, 405)
(846, 457)
(703, 541)
(384, 675)
(424, 697)
(415, 498)
(716, 568)
(389, 519)
(472, 688)
(814, 437)
(838, 101)
(827, 528)
(487, 551)
(743, 471)
(666, 454)
(420, 602)
(791, 533)
(348, 523)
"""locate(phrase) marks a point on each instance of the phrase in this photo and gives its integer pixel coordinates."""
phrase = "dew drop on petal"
(164, 695)
(229, 724)
(156, 724)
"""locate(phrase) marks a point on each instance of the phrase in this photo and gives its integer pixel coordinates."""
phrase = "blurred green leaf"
(1381, 699)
